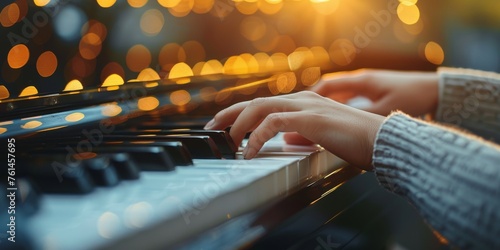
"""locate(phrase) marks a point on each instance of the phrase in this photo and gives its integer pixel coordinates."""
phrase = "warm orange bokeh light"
(152, 22)
(73, 85)
(4, 92)
(137, 3)
(90, 46)
(29, 91)
(112, 68)
(41, 3)
(180, 97)
(138, 58)
(180, 70)
(46, 64)
(10, 15)
(408, 14)
(434, 53)
(106, 3)
(31, 124)
(113, 80)
(74, 117)
(148, 74)
(169, 3)
(148, 103)
(18, 56)
(203, 6)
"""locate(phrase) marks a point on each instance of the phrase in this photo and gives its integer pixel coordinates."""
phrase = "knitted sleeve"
(470, 99)
(450, 177)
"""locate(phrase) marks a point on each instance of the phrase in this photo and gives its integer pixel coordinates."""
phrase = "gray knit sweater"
(451, 176)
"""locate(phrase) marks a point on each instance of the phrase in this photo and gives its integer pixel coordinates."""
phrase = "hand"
(415, 93)
(345, 131)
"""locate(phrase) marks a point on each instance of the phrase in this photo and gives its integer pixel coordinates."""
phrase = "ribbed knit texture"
(470, 99)
(451, 178)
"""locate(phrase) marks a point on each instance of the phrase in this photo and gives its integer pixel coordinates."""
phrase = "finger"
(257, 110)
(381, 107)
(226, 117)
(342, 96)
(270, 126)
(296, 139)
(338, 82)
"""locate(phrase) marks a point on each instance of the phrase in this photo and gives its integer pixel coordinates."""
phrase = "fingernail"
(249, 153)
(209, 124)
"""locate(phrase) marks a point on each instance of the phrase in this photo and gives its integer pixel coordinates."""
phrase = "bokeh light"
(74, 117)
(180, 97)
(253, 28)
(137, 3)
(90, 46)
(106, 3)
(180, 70)
(169, 3)
(18, 56)
(138, 58)
(408, 14)
(203, 6)
(434, 53)
(148, 103)
(194, 52)
(10, 15)
(152, 22)
(41, 3)
(342, 52)
(46, 64)
(29, 91)
(113, 80)
(4, 92)
(73, 85)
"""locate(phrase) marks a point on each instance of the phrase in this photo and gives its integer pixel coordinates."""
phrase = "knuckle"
(275, 122)
(257, 101)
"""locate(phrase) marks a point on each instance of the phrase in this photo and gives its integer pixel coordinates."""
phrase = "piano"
(106, 152)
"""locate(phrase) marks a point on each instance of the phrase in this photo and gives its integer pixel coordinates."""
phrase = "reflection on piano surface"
(104, 102)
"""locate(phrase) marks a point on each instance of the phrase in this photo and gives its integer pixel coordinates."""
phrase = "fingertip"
(249, 152)
(210, 124)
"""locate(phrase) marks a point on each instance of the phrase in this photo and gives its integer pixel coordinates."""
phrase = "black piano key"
(102, 171)
(178, 152)
(221, 138)
(125, 167)
(57, 173)
(186, 123)
(159, 160)
(200, 146)
(151, 158)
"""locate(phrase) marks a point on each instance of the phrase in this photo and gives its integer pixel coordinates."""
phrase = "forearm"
(470, 99)
(451, 178)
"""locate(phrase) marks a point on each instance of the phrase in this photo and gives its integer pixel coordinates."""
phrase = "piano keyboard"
(164, 208)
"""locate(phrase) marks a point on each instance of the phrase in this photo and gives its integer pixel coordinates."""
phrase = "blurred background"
(48, 45)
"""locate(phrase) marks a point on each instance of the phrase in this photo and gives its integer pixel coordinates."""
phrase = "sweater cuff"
(451, 178)
(389, 149)
(470, 99)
